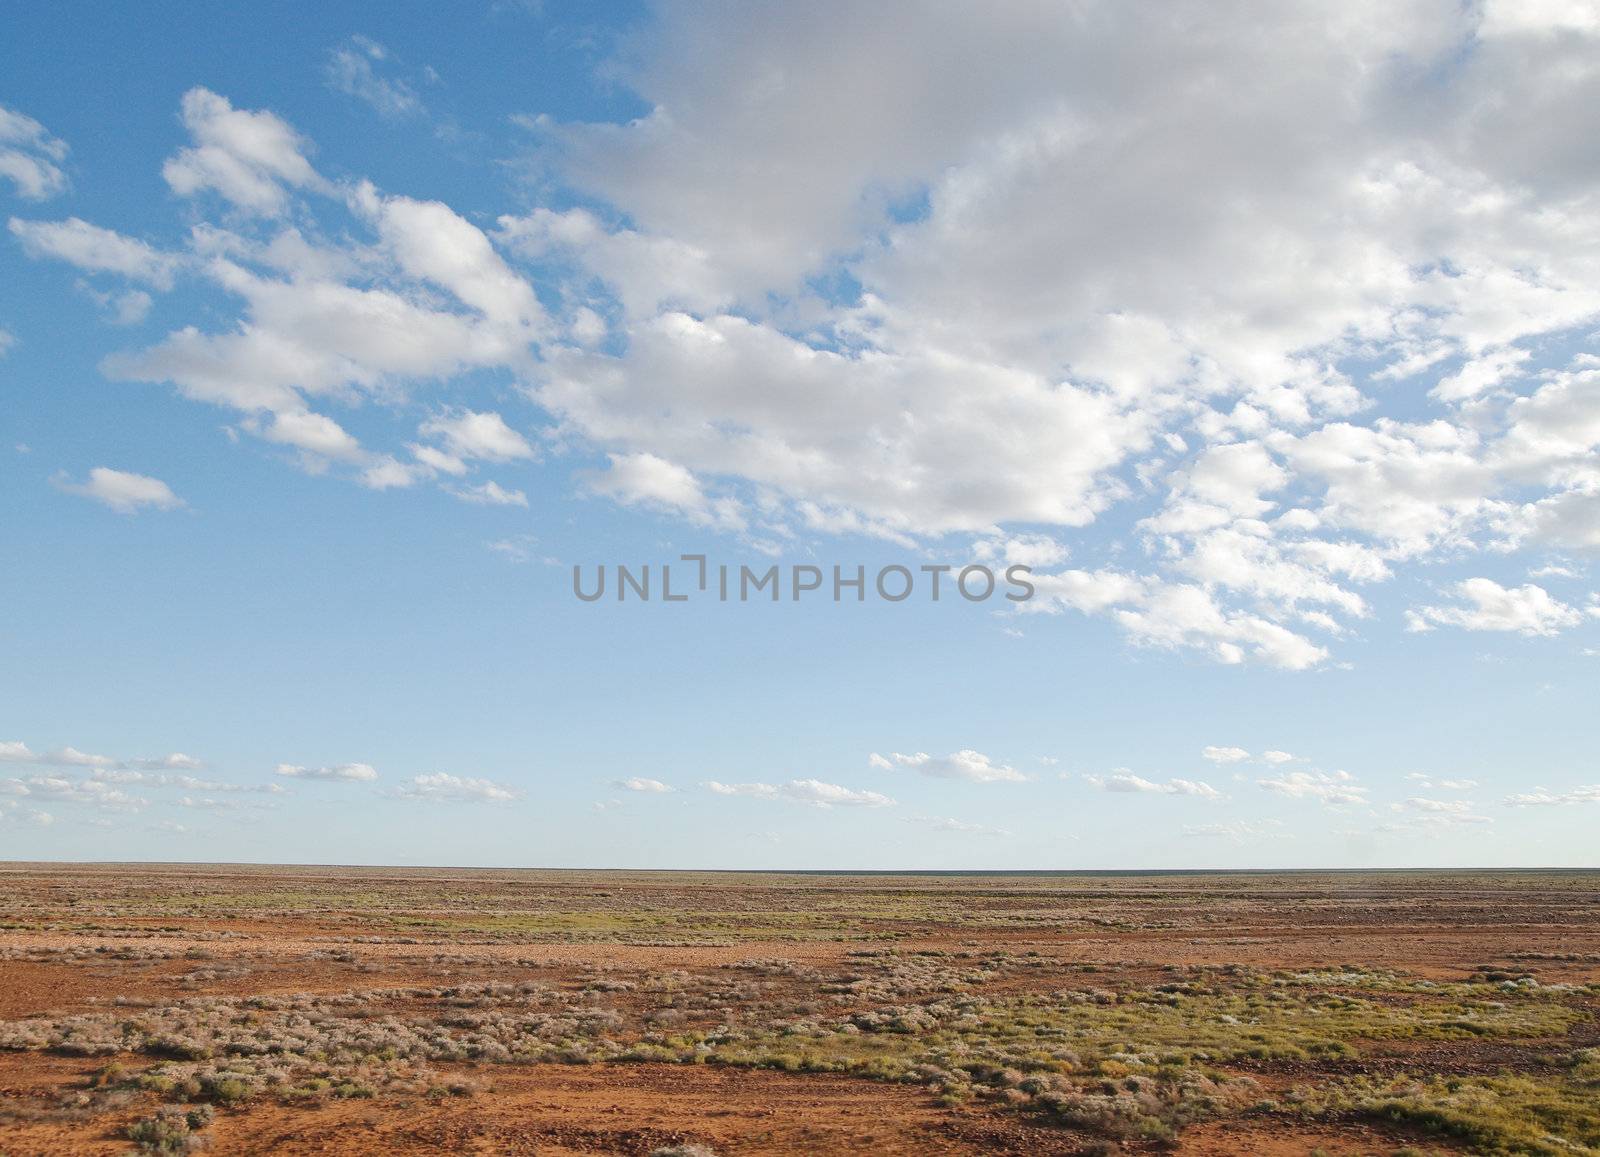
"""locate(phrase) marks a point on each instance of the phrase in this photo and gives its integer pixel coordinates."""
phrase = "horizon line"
(7, 865)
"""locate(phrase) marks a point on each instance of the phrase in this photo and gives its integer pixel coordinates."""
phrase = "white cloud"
(1224, 754)
(445, 787)
(16, 816)
(72, 757)
(315, 434)
(206, 803)
(1224, 483)
(61, 789)
(437, 460)
(1030, 550)
(892, 329)
(964, 827)
(1335, 789)
(354, 322)
(127, 308)
(1185, 615)
(646, 480)
(15, 751)
(246, 157)
(352, 70)
(129, 773)
(984, 273)
(638, 783)
(95, 250)
(469, 434)
(972, 766)
(1551, 570)
(1457, 810)
(344, 772)
(1528, 610)
(828, 428)
(30, 158)
(490, 494)
(429, 241)
(517, 548)
(1123, 780)
(123, 492)
(388, 474)
(1431, 783)
(806, 791)
(1540, 797)
(1278, 757)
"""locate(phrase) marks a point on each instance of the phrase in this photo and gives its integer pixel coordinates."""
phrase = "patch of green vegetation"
(686, 927)
(1548, 1117)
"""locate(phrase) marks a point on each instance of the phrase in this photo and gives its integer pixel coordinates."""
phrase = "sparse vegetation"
(1015, 999)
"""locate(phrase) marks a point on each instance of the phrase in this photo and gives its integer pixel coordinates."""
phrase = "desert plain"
(330, 1010)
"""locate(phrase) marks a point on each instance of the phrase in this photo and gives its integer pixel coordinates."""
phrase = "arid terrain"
(169, 1008)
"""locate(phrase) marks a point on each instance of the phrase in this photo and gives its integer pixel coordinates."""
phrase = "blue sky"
(328, 346)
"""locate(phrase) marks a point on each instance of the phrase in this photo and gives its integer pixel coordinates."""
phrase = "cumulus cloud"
(101, 781)
(966, 764)
(646, 480)
(490, 494)
(1541, 797)
(1336, 788)
(343, 772)
(1423, 816)
(444, 787)
(1487, 606)
(1030, 550)
(30, 158)
(208, 803)
(72, 757)
(1174, 615)
(126, 774)
(1458, 811)
(807, 791)
(95, 250)
(316, 434)
(639, 783)
(1434, 783)
(124, 492)
(896, 332)
(249, 158)
(963, 827)
(1224, 754)
(469, 434)
(15, 815)
(1123, 780)
(16, 751)
(62, 789)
